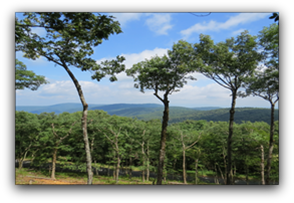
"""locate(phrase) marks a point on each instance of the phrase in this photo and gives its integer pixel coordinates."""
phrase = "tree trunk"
(117, 169)
(216, 176)
(84, 124)
(147, 163)
(174, 167)
(222, 176)
(143, 161)
(184, 167)
(20, 163)
(163, 140)
(225, 165)
(262, 165)
(96, 170)
(271, 144)
(53, 163)
(247, 182)
(196, 171)
(229, 141)
(131, 164)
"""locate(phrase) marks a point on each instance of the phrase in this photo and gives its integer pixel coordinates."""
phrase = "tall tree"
(265, 83)
(27, 79)
(69, 41)
(166, 74)
(229, 64)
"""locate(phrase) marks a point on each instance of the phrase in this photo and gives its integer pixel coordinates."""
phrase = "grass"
(69, 178)
(81, 178)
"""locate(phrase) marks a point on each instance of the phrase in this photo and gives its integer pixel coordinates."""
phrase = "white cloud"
(216, 26)
(124, 18)
(134, 58)
(237, 32)
(159, 23)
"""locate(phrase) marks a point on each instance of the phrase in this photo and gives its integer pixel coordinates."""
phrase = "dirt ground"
(40, 181)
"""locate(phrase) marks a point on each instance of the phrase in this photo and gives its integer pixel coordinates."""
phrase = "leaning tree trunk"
(163, 140)
(271, 144)
(262, 165)
(84, 124)
(229, 141)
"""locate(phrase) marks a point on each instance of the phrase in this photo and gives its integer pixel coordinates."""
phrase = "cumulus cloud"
(159, 23)
(216, 26)
(134, 58)
(124, 18)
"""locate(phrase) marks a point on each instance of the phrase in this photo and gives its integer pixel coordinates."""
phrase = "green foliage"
(265, 82)
(27, 79)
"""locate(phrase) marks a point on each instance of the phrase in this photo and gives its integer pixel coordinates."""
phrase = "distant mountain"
(154, 111)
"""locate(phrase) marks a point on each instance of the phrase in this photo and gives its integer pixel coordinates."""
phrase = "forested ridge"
(128, 143)
(154, 111)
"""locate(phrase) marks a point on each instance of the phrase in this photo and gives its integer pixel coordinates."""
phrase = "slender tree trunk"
(147, 163)
(53, 163)
(229, 141)
(117, 169)
(225, 165)
(163, 140)
(247, 182)
(184, 167)
(196, 171)
(174, 167)
(131, 164)
(222, 176)
(96, 170)
(84, 124)
(262, 165)
(271, 144)
(216, 176)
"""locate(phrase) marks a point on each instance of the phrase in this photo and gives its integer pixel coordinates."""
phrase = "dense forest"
(122, 142)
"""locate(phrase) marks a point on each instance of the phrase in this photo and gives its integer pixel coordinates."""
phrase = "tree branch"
(194, 142)
(158, 97)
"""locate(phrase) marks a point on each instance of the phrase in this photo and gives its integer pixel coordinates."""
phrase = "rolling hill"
(154, 111)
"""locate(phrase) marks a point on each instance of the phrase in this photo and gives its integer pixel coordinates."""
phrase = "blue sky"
(146, 35)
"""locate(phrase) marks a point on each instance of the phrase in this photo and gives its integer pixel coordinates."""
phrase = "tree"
(27, 130)
(265, 82)
(114, 132)
(165, 74)
(229, 64)
(69, 41)
(188, 135)
(63, 121)
(27, 79)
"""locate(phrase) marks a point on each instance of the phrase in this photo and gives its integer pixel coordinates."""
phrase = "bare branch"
(201, 15)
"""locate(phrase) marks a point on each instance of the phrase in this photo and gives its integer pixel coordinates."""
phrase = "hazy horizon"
(276, 107)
